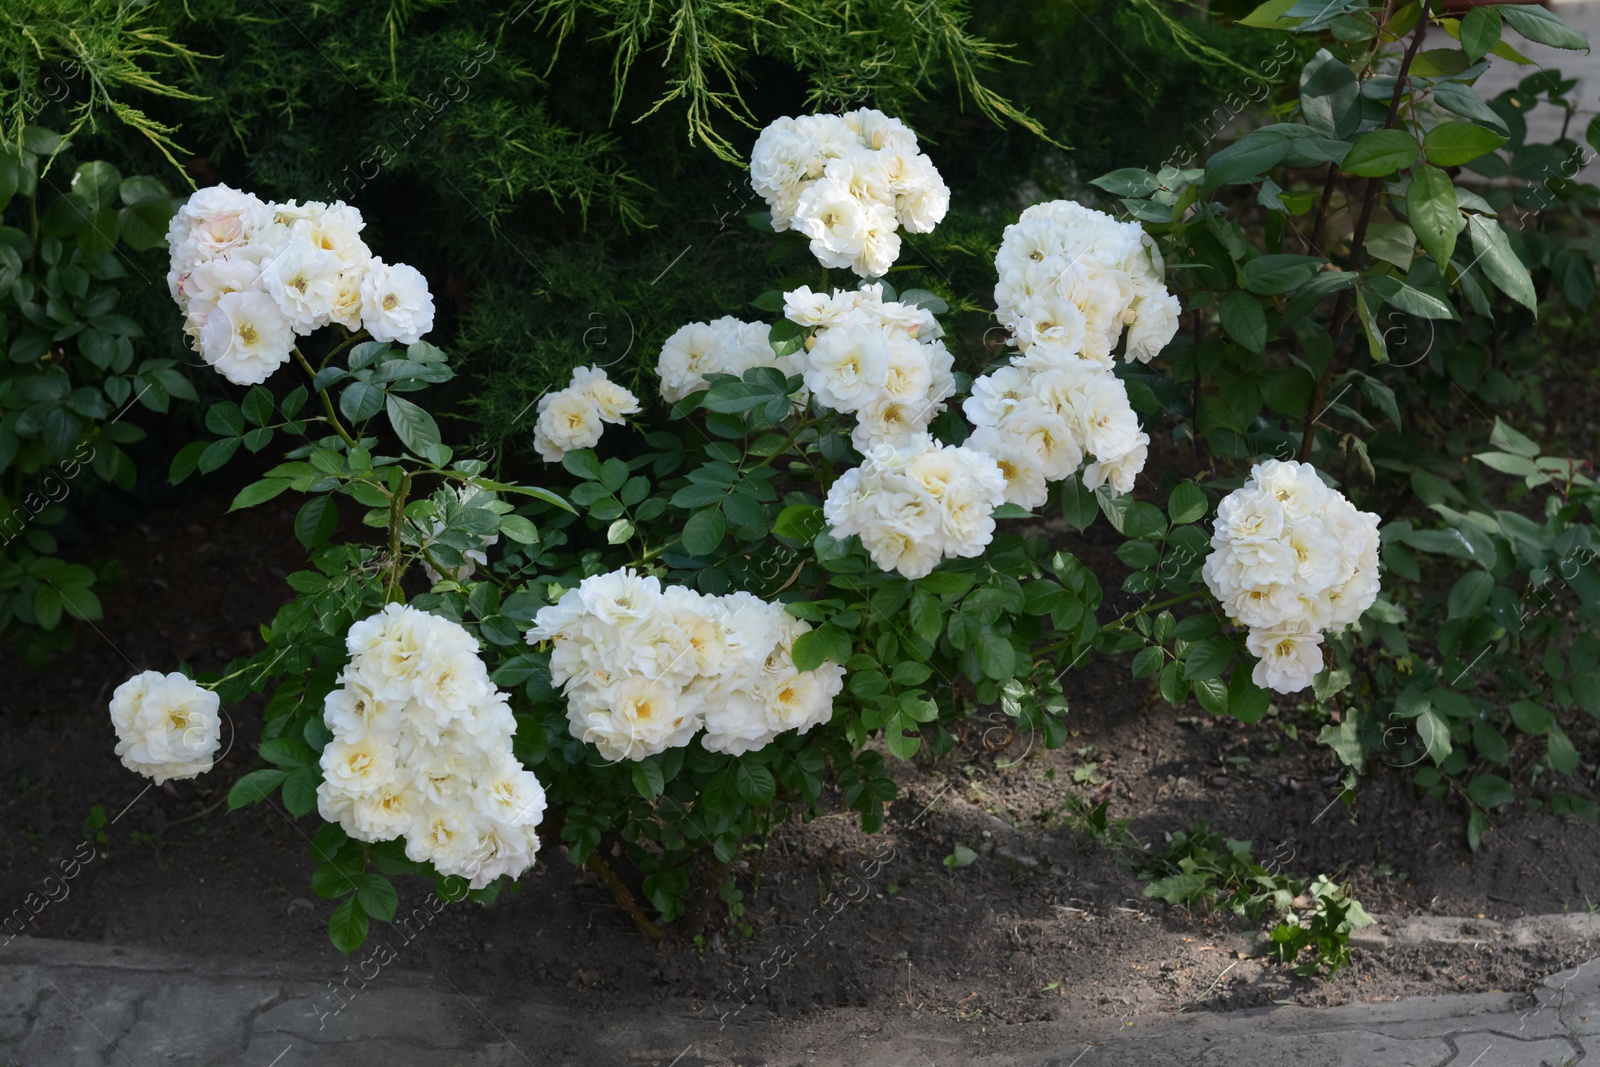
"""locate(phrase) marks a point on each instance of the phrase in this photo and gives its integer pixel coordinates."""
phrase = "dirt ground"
(1046, 923)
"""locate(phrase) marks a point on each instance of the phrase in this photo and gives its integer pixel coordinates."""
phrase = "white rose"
(1289, 658)
(246, 337)
(1051, 436)
(882, 244)
(1154, 327)
(1121, 470)
(395, 302)
(214, 221)
(357, 768)
(167, 726)
(568, 419)
(610, 399)
(837, 223)
(304, 280)
(1019, 464)
(640, 717)
(847, 366)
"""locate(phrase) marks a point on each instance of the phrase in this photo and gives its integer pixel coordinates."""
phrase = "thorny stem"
(1358, 239)
(327, 402)
(623, 898)
(342, 345)
(1127, 618)
(397, 507)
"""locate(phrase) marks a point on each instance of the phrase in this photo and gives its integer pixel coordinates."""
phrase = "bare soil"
(1046, 923)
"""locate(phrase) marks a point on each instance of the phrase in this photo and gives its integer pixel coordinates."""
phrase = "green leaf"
(1247, 702)
(1243, 160)
(1186, 504)
(582, 463)
(1451, 144)
(186, 461)
(1245, 321)
(1267, 15)
(1506, 463)
(377, 897)
(704, 531)
(415, 427)
(1212, 693)
(1273, 275)
(1435, 214)
(1381, 152)
(316, 521)
(1462, 100)
(1490, 791)
(1079, 506)
(1537, 24)
(1148, 661)
(1129, 181)
(1532, 718)
(1330, 97)
(1412, 301)
(648, 780)
(1499, 262)
(347, 926)
(1207, 659)
(359, 401)
(519, 529)
(1470, 594)
(827, 643)
(996, 656)
(1561, 752)
(754, 782)
(255, 787)
(97, 183)
(143, 225)
(799, 522)
(254, 493)
(1480, 32)
(1435, 734)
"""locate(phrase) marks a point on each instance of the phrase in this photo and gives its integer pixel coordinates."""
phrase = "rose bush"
(804, 558)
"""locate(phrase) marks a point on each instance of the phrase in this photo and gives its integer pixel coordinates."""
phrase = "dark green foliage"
(546, 165)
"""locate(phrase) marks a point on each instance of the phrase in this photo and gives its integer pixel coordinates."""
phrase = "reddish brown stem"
(1341, 306)
(623, 897)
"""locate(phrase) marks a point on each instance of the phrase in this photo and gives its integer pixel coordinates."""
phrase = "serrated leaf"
(1537, 24)
(255, 787)
(1434, 212)
(1450, 144)
(377, 897)
(1493, 253)
(347, 926)
(1244, 320)
(1381, 152)
(414, 426)
(316, 521)
(256, 492)
(1186, 504)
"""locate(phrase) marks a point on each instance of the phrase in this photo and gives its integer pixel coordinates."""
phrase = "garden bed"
(1044, 923)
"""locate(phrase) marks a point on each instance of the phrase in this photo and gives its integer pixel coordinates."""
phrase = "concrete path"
(65, 1004)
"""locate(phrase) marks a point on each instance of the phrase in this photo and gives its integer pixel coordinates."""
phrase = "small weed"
(1313, 920)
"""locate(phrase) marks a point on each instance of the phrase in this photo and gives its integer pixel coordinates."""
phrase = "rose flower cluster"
(915, 505)
(879, 360)
(575, 417)
(421, 749)
(1291, 559)
(645, 668)
(252, 276)
(850, 183)
(1071, 281)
